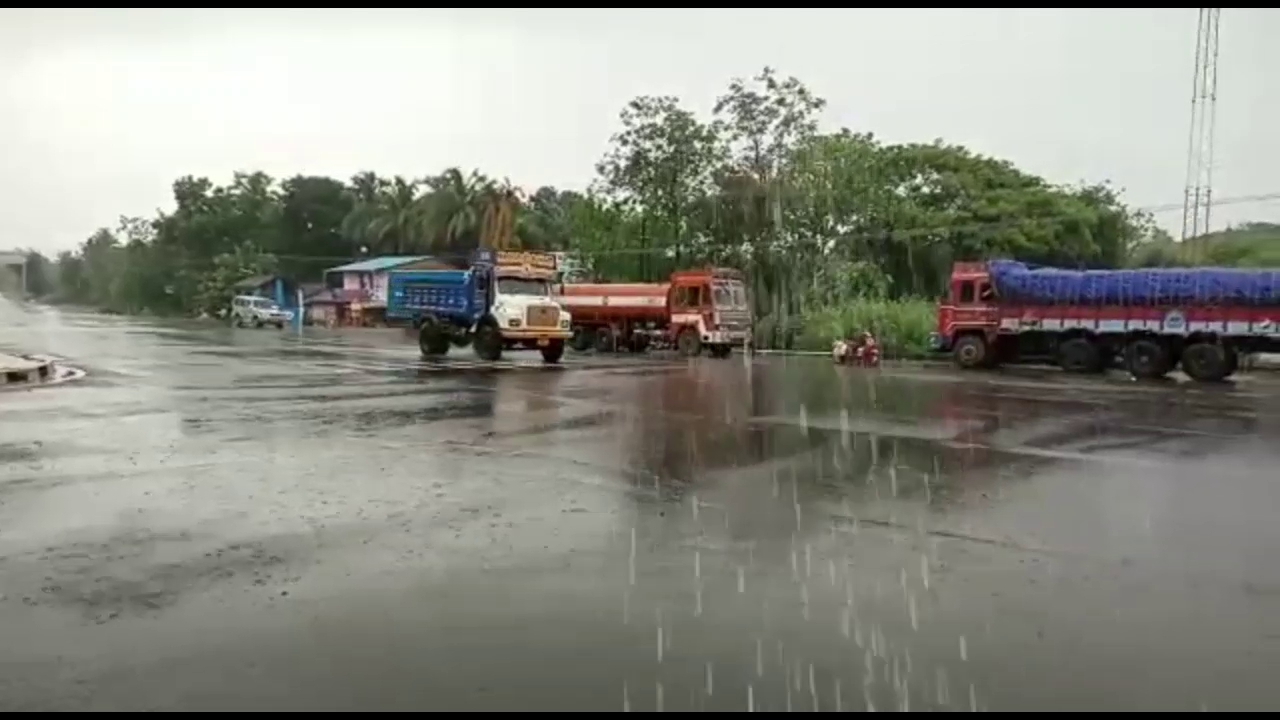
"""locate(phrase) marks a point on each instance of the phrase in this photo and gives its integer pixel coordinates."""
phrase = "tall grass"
(901, 326)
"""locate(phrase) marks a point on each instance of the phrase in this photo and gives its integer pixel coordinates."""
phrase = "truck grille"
(542, 317)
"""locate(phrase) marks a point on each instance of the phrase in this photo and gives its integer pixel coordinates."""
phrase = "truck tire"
(432, 342)
(605, 341)
(689, 343)
(552, 352)
(970, 352)
(1080, 355)
(581, 341)
(1146, 359)
(1205, 362)
(488, 342)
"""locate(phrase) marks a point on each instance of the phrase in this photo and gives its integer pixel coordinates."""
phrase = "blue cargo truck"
(494, 301)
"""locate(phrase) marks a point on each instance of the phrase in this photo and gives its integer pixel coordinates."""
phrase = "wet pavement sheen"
(235, 520)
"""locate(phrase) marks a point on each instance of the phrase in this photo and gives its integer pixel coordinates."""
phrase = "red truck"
(1148, 321)
(695, 309)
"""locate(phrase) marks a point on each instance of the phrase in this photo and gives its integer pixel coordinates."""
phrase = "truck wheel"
(432, 342)
(604, 340)
(581, 341)
(552, 352)
(970, 351)
(1233, 360)
(1146, 359)
(688, 342)
(1080, 355)
(488, 342)
(1205, 362)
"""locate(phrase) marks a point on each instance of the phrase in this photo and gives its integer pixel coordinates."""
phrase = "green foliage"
(901, 326)
(1255, 245)
(835, 230)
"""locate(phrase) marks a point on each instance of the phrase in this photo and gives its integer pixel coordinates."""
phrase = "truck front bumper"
(526, 334)
(726, 337)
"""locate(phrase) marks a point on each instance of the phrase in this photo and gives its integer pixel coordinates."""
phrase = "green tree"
(660, 167)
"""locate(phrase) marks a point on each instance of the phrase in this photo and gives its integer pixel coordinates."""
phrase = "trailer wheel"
(1080, 355)
(1206, 362)
(488, 342)
(688, 342)
(605, 342)
(432, 342)
(552, 352)
(970, 351)
(581, 340)
(1146, 359)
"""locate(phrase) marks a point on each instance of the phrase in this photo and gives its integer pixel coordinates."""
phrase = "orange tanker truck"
(694, 310)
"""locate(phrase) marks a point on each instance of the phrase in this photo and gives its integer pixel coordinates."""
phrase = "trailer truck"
(495, 300)
(1148, 321)
(694, 310)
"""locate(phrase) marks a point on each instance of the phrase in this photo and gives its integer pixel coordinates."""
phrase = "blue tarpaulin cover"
(1018, 282)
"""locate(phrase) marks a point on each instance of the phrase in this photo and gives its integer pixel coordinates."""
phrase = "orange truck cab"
(969, 309)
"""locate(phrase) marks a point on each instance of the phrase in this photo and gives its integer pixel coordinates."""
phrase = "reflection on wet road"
(253, 520)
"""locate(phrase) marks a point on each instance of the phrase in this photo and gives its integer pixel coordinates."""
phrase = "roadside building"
(357, 292)
(275, 287)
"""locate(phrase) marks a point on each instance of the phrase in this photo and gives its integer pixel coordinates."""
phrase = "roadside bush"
(901, 326)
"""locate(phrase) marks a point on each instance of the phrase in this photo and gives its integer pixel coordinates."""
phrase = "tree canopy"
(813, 217)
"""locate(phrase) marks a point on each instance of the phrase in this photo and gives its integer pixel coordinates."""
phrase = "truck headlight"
(564, 324)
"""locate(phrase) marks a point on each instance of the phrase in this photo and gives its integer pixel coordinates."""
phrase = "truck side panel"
(447, 294)
(1228, 321)
(604, 303)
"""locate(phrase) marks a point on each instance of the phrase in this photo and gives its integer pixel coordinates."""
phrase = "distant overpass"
(15, 263)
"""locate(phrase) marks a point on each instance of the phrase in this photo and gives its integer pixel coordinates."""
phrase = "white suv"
(257, 312)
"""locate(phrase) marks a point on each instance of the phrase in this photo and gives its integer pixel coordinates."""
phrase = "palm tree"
(391, 219)
(502, 205)
(453, 208)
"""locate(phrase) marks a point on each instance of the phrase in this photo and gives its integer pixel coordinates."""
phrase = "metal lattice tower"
(1198, 195)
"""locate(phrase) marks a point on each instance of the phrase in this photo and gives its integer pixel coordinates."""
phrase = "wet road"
(251, 520)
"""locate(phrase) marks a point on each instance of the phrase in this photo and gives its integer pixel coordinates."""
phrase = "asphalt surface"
(252, 520)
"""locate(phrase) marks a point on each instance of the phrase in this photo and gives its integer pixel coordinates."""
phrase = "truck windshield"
(523, 286)
(730, 295)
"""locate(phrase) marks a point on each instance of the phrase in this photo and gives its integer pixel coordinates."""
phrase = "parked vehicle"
(1148, 321)
(696, 309)
(496, 300)
(253, 311)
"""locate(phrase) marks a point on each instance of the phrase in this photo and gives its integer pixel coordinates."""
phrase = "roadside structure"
(357, 292)
(15, 264)
(276, 287)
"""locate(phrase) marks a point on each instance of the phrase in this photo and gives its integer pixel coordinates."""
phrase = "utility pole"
(1198, 194)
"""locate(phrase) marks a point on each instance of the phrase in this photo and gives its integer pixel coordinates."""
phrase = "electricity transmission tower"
(1198, 195)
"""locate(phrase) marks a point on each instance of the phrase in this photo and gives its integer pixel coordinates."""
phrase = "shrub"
(901, 326)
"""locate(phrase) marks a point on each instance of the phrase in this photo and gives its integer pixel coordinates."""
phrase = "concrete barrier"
(19, 370)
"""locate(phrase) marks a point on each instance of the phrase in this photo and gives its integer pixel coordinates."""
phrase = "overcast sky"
(101, 109)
